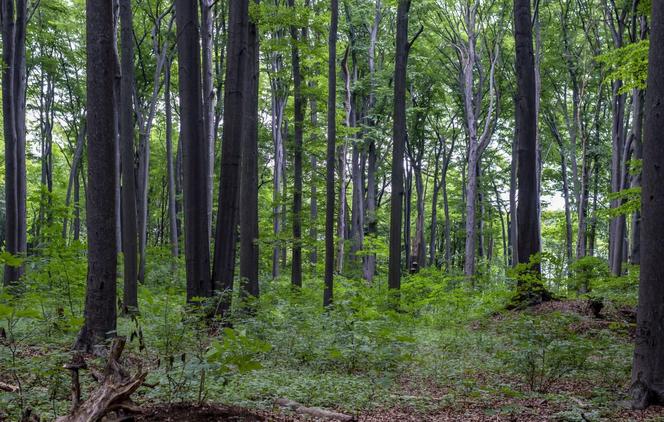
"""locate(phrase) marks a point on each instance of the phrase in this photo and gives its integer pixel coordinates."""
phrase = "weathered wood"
(113, 393)
(9, 388)
(316, 412)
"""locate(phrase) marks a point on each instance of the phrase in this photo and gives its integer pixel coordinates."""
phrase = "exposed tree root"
(113, 395)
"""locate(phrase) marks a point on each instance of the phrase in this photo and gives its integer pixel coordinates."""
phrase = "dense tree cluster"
(470, 136)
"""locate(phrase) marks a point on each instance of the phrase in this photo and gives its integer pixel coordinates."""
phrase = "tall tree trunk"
(371, 220)
(399, 143)
(313, 207)
(249, 199)
(207, 30)
(14, 23)
(194, 152)
(637, 154)
(296, 265)
(408, 197)
(328, 294)
(172, 194)
(278, 104)
(513, 190)
(476, 143)
(231, 153)
(73, 172)
(100, 299)
(126, 114)
(528, 236)
(420, 248)
(648, 366)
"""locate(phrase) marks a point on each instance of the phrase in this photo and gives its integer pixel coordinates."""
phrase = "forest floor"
(452, 354)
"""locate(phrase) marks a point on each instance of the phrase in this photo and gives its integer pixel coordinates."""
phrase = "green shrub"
(542, 351)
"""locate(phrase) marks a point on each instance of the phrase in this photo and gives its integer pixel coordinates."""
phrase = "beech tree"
(399, 146)
(328, 293)
(249, 255)
(231, 152)
(194, 152)
(100, 298)
(648, 366)
(296, 265)
(126, 115)
(13, 18)
(528, 235)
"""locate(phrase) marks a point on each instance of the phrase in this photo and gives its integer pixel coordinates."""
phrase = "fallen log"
(316, 412)
(8, 387)
(113, 394)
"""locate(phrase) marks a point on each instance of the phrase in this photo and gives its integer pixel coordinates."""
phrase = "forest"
(350, 210)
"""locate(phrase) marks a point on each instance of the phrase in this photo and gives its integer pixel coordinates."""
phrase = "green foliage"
(586, 271)
(628, 64)
(542, 351)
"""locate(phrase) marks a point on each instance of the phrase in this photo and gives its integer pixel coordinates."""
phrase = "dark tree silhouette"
(194, 151)
(100, 298)
(648, 369)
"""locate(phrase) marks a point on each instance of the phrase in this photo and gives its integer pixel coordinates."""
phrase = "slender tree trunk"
(100, 299)
(399, 144)
(420, 248)
(279, 99)
(637, 154)
(14, 23)
(73, 172)
(313, 207)
(231, 153)
(172, 206)
(328, 294)
(126, 114)
(194, 152)
(249, 199)
(296, 265)
(207, 30)
(371, 219)
(513, 211)
(648, 366)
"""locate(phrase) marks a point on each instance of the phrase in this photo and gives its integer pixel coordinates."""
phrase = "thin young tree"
(126, 116)
(170, 168)
(14, 23)
(100, 298)
(231, 153)
(328, 294)
(194, 151)
(648, 367)
(296, 265)
(399, 145)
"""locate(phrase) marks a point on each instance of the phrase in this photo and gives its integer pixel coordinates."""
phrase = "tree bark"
(126, 114)
(100, 299)
(399, 144)
(207, 29)
(14, 23)
(296, 264)
(328, 294)
(528, 236)
(249, 199)
(231, 153)
(172, 194)
(648, 367)
(194, 152)
(635, 182)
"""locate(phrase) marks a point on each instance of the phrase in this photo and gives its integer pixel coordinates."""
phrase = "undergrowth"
(448, 342)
